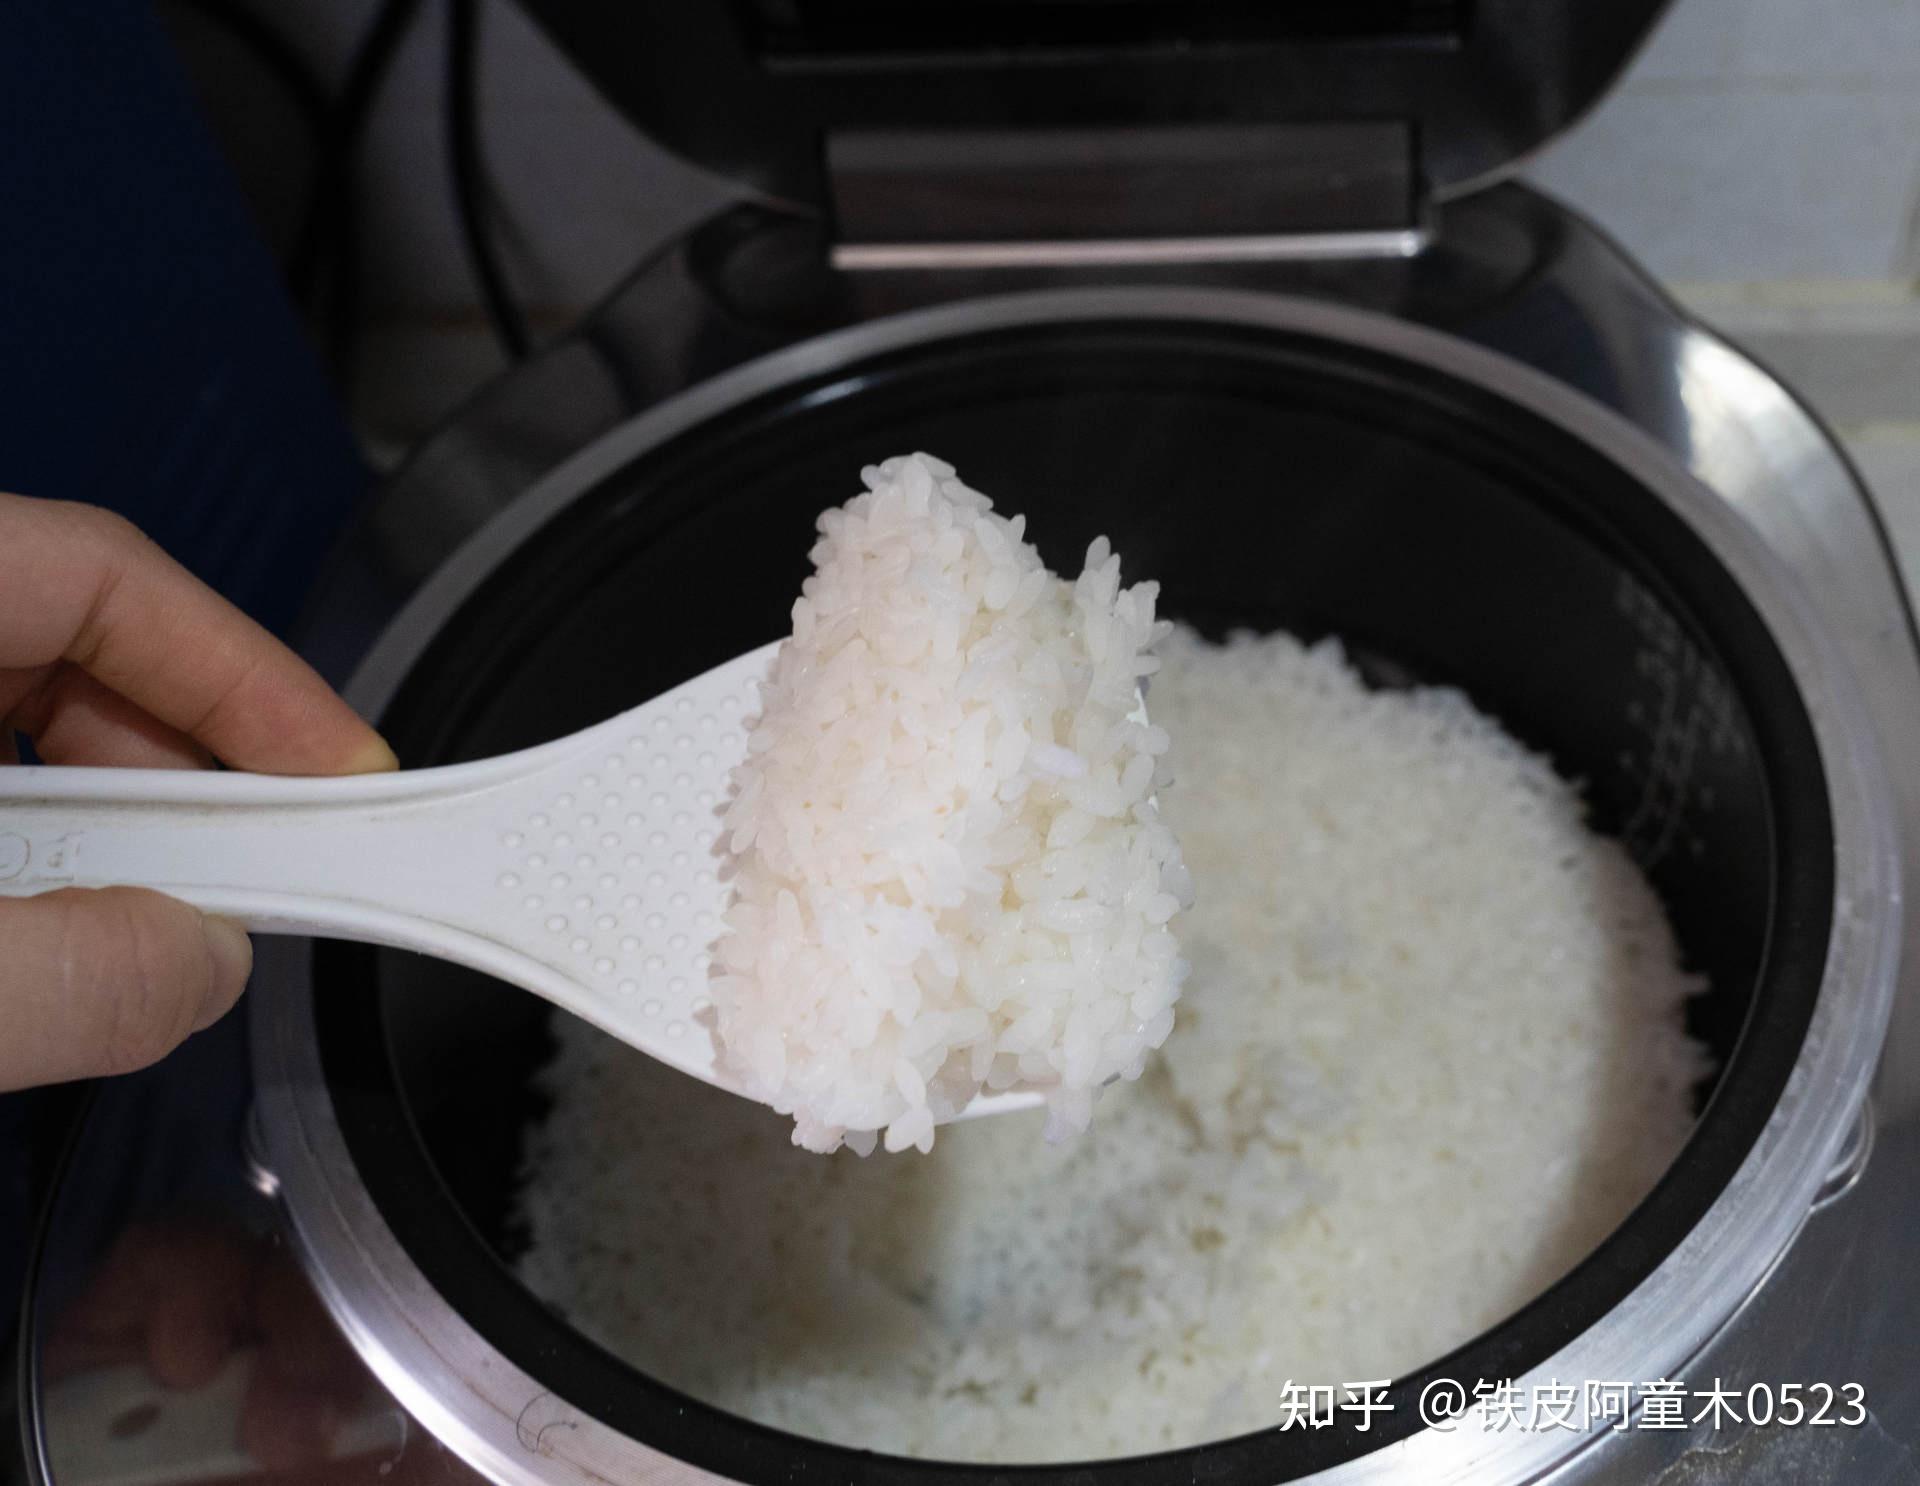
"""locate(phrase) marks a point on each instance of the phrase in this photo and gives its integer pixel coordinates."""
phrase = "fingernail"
(232, 963)
(372, 757)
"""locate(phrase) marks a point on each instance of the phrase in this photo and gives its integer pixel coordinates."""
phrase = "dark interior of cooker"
(1266, 480)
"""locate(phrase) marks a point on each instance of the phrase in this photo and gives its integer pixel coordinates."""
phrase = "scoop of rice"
(951, 874)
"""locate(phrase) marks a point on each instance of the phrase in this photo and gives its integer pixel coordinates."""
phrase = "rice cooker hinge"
(1084, 196)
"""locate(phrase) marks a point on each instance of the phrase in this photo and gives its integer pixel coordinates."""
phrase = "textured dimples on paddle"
(615, 871)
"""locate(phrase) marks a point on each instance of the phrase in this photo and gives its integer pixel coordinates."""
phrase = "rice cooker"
(1243, 288)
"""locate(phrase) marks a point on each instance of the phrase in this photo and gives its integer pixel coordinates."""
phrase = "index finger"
(81, 585)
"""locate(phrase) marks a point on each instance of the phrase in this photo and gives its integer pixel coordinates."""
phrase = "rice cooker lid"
(1169, 116)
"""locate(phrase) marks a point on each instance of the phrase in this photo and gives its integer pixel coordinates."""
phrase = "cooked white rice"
(951, 874)
(1431, 1053)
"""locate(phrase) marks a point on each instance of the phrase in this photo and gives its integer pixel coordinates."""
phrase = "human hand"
(113, 654)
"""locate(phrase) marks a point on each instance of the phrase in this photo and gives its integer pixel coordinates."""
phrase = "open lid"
(981, 119)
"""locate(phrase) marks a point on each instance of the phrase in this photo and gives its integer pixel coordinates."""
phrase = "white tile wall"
(1802, 42)
(1747, 184)
(1760, 139)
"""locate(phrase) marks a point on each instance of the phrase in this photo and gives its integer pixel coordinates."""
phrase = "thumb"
(108, 980)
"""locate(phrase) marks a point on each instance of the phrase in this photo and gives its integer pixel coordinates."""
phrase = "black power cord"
(324, 267)
(346, 123)
(467, 166)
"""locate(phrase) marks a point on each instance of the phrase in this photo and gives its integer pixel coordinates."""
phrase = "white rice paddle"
(589, 870)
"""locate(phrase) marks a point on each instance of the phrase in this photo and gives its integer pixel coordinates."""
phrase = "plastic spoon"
(586, 870)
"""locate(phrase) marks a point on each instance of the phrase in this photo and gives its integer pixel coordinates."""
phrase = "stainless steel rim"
(503, 1422)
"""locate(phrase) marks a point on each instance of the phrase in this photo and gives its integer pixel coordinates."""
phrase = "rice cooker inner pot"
(1268, 479)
